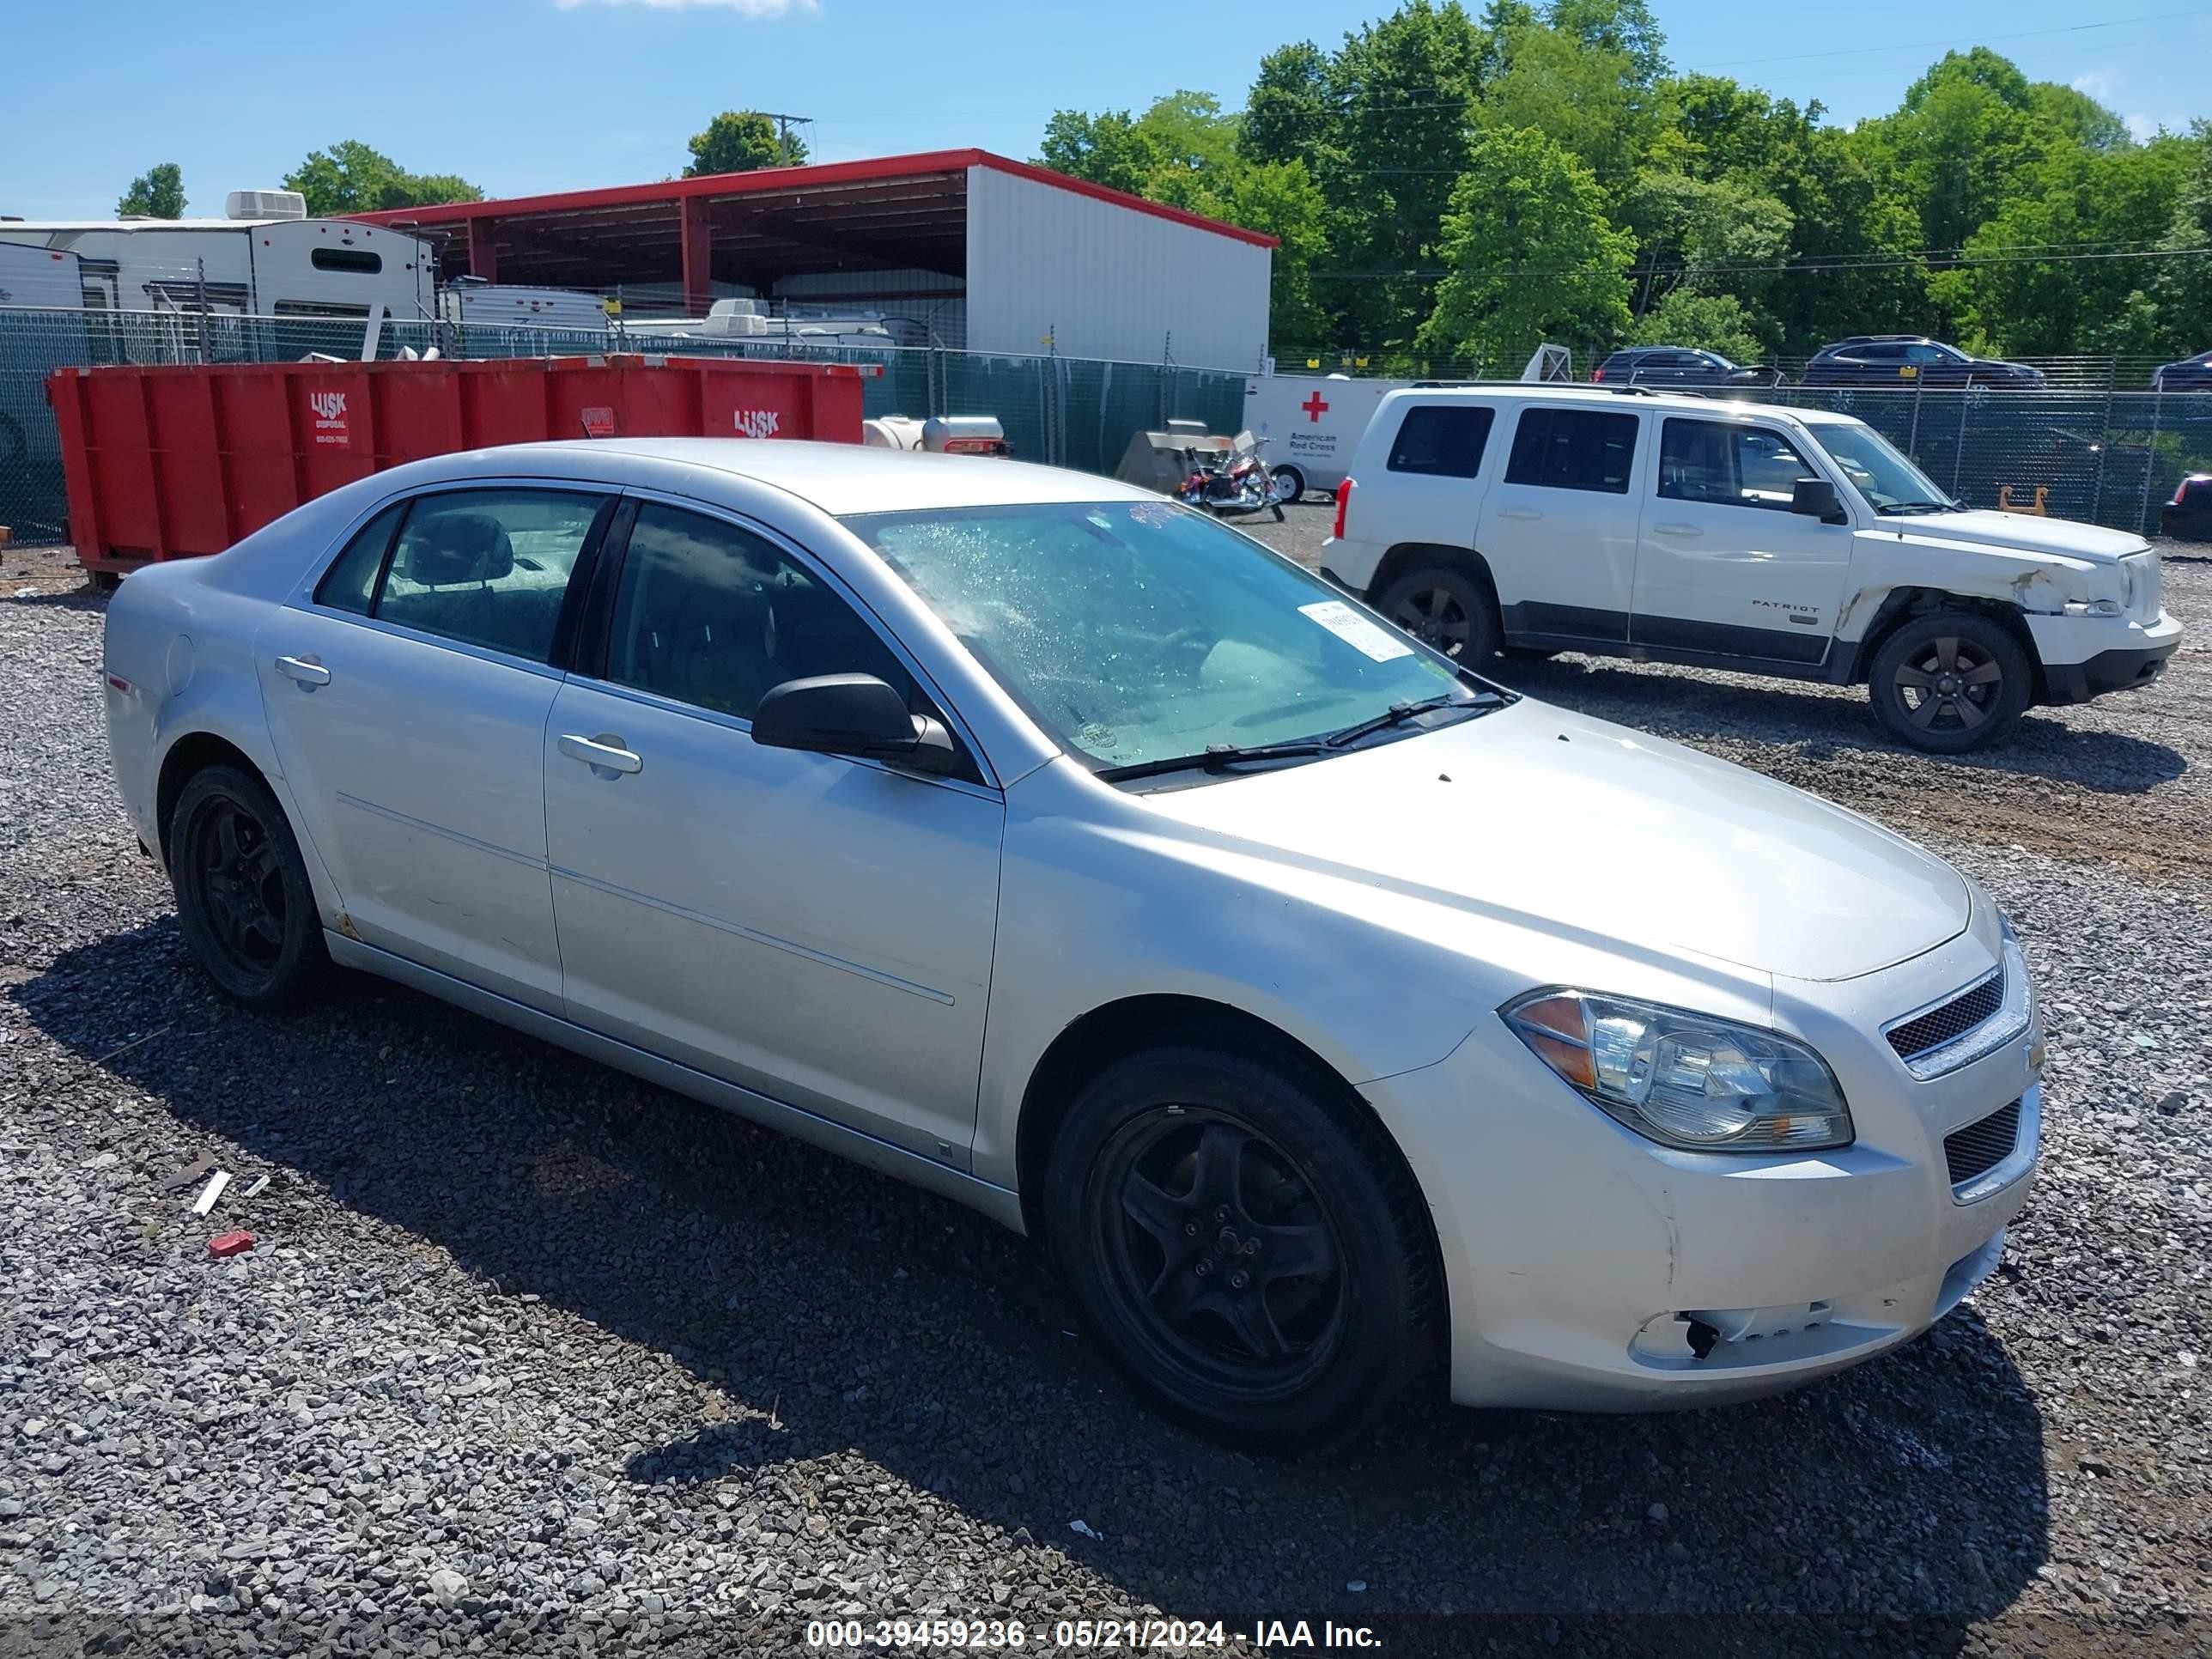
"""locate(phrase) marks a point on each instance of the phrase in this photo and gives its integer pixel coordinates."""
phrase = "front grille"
(1950, 1022)
(1980, 1147)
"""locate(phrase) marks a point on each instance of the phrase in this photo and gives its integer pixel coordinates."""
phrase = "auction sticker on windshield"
(1355, 630)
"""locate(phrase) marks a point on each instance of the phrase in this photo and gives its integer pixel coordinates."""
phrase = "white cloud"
(2144, 128)
(744, 8)
(2098, 83)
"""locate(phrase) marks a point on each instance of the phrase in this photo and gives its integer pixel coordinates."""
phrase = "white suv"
(1780, 541)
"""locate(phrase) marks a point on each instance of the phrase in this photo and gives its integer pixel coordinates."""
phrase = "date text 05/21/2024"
(1085, 1635)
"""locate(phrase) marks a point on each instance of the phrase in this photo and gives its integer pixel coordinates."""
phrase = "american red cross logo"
(1314, 407)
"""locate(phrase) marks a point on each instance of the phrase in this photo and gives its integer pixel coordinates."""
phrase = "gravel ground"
(533, 1357)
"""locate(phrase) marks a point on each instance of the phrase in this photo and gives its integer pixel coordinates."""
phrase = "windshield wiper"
(1213, 758)
(1903, 509)
(1399, 713)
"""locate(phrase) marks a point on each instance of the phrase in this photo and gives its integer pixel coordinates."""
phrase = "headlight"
(2096, 607)
(1686, 1080)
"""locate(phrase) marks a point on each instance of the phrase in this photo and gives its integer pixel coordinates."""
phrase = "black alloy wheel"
(1244, 1240)
(1213, 1238)
(243, 897)
(1950, 682)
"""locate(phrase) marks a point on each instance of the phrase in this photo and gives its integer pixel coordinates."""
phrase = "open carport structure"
(1023, 255)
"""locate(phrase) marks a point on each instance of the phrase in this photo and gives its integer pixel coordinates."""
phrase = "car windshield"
(1142, 633)
(1890, 484)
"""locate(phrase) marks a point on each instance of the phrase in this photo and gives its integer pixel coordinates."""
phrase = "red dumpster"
(170, 463)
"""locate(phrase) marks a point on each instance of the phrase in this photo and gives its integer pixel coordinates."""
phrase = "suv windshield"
(1890, 483)
(1143, 634)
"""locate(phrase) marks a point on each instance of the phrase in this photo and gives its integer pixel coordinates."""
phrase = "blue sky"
(527, 95)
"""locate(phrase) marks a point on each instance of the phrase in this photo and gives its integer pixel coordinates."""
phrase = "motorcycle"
(1236, 481)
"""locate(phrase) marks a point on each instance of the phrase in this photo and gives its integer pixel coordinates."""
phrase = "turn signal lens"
(1686, 1080)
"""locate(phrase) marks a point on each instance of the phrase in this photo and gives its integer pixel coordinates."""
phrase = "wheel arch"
(189, 755)
(1901, 604)
(1404, 556)
(1131, 1024)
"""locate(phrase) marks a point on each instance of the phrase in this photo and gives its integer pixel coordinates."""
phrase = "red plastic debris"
(230, 1244)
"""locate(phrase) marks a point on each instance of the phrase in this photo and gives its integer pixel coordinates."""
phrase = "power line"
(1930, 260)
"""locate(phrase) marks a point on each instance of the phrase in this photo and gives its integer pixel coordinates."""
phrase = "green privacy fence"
(1062, 412)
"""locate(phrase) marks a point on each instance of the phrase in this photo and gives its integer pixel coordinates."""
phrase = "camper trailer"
(42, 278)
(508, 305)
(266, 258)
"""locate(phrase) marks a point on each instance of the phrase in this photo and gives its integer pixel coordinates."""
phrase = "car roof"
(840, 479)
(1599, 397)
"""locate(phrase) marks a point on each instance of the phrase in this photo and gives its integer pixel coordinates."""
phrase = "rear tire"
(1446, 609)
(243, 898)
(1950, 682)
(1256, 1259)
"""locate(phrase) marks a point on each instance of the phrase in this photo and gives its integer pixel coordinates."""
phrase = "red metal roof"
(771, 181)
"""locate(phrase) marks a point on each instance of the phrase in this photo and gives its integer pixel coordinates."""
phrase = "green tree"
(1531, 256)
(1708, 234)
(742, 140)
(156, 193)
(1590, 98)
(1409, 82)
(1292, 113)
(2106, 200)
(1710, 322)
(1104, 149)
(1626, 27)
(350, 177)
(2182, 283)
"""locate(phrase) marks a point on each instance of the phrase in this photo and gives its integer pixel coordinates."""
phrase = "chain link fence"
(2107, 456)
(2083, 372)
(1063, 412)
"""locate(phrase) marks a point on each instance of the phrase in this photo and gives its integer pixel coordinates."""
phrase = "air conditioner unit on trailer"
(265, 204)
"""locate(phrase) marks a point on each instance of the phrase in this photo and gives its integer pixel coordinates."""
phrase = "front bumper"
(1589, 1269)
(2086, 657)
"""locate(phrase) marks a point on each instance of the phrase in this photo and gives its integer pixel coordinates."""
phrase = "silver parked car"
(1328, 1010)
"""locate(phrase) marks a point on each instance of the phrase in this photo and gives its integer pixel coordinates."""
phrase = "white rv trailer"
(515, 305)
(43, 278)
(266, 260)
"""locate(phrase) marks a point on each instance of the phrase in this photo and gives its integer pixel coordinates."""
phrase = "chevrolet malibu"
(1337, 1017)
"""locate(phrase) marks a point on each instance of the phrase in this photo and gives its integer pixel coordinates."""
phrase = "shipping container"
(169, 463)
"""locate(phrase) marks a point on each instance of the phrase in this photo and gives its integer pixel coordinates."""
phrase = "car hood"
(2023, 533)
(1546, 818)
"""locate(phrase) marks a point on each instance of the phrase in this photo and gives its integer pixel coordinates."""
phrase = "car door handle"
(1676, 530)
(1518, 512)
(306, 670)
(602, 753)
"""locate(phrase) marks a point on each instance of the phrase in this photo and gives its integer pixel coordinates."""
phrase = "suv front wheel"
(1949, 682)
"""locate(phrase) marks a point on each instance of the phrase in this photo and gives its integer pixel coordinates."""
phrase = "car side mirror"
(1816, 498)
(852, 714)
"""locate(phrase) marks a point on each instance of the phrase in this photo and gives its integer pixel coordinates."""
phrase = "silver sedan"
(1327, 1009)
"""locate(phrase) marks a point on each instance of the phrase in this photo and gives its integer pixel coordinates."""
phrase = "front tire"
(1290, 484)
(1446, 608)
(243, 897)
(1950, 682)
(1255, 1258)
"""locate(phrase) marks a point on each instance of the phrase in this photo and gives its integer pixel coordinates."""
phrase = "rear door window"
(1442, 439)
(489, 568)
(1573, 449)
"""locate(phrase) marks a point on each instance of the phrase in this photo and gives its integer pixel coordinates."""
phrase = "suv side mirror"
(851, 714)
(1816, 498)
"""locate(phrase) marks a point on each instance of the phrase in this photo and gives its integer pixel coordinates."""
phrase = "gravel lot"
(533, 1357)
